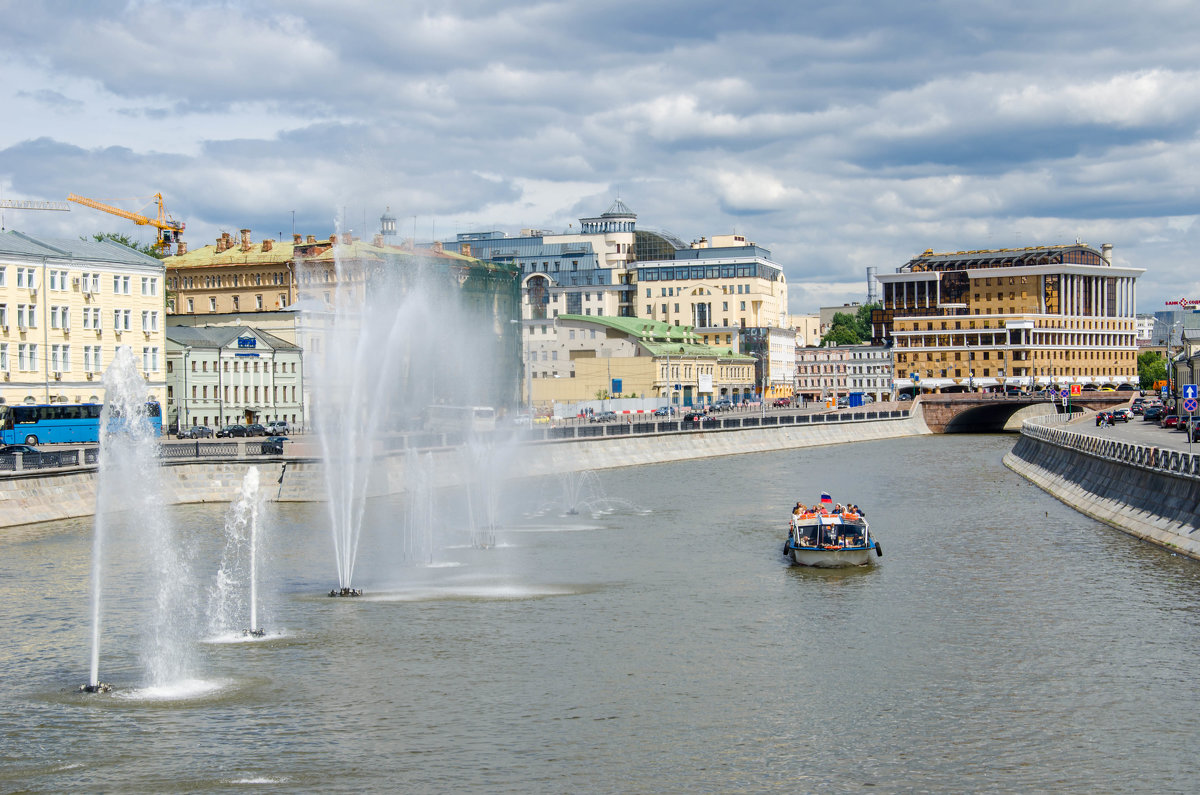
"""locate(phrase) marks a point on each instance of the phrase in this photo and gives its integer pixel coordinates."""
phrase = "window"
(191, 305)
(150, 360)
(149, 321)
(4, 280)
(121, 285)
(4, 357)
(60, 358)
(235, 303)
(212, 304)
(91, 358)
(4, 315)
(258, 302)
(27, 277)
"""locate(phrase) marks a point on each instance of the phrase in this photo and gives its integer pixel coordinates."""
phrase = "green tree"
(1151, 367)
(847, 329)
(126, 240)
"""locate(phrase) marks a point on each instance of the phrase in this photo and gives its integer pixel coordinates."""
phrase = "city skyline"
(836, 143)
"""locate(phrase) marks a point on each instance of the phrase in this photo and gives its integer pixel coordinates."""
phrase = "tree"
(1151, 367)
(126, 240)
(847, 329)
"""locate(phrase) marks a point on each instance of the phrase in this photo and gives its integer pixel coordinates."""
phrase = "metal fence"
(623, 426)
(1172, 462)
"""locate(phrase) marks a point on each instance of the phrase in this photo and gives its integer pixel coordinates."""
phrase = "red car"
(1170, 421)
(782, 402)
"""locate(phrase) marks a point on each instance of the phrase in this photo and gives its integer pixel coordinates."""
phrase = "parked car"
(782, 402)
(273, 444)
(905, 396)
(1196, 431)
(278, 428)
(231, 431)
(1170, 421)
(603, 416)
(724, 404)
(255, 429)
(196, 432)
(13, 449)
(663, 411)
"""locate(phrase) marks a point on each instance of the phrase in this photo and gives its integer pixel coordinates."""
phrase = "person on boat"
(799, 509)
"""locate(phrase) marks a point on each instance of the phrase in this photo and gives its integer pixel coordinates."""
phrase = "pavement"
(1137, 431)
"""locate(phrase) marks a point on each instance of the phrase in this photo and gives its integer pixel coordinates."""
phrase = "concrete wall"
(48, 495)
(1146, 492)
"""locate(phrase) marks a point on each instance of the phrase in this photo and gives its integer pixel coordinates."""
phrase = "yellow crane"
(169, 230)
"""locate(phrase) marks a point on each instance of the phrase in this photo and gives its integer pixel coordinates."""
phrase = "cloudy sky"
(839, 135)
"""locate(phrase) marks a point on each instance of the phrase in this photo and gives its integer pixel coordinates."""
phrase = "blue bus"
(58, 423)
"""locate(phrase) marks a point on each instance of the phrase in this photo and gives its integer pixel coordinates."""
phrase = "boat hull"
(831, 558)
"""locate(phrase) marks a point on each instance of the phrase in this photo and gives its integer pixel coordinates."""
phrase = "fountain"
(129, 512)
(396, 337)
(234, 594)
(482, 492)
(583, 491)
(418, 531)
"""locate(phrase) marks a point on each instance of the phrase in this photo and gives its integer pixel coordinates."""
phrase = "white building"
(232, 375)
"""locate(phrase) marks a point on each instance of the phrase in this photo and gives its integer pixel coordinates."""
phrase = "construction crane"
(169, 230)
(28, 204)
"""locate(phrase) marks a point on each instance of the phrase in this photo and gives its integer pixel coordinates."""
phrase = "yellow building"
(1024, 318)
(66, 306)
(582, 358)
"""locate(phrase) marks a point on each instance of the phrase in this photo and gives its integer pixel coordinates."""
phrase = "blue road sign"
(1064, 393)
(1189, 391)
(1189, 405)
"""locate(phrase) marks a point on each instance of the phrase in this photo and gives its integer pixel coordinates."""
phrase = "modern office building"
(66, 306)
(1027, 317)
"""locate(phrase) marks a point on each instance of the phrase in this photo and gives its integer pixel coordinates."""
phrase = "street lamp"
(183, 423)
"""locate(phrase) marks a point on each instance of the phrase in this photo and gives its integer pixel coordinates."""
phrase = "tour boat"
(829, 536)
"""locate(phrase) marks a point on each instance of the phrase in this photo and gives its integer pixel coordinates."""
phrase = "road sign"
(1189, 405)
(915, 378)
(1076, 389)
(1189, 391)
(1063, 393)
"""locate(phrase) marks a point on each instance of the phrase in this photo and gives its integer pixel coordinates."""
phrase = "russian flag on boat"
(826, 499)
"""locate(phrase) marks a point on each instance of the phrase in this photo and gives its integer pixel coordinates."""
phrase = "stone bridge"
(989, 412)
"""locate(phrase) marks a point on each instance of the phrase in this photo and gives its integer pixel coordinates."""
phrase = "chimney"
(378, 239)
(311, 239)
(465, 249)
(182, 249)
(296, 238)
(246, 244)
(1106, 253)
(266, 246)
(220, 244)
(437, 247)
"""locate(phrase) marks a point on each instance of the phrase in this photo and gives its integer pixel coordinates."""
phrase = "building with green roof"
(578, 358)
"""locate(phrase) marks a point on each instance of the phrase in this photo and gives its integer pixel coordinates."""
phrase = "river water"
(1003, 643)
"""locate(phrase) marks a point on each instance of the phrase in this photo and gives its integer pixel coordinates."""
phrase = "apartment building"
(66, 305)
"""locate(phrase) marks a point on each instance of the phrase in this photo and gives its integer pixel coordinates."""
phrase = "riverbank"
(47, 495)
(1143, 490)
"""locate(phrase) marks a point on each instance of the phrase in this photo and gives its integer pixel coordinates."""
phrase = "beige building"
(1027, 318)
(578, 358)
(66, 306)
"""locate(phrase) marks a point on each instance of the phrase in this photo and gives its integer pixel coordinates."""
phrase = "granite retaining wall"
(1145, 491)
(46, 495)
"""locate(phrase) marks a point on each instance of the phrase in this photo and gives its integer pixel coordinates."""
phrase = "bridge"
(991, 412)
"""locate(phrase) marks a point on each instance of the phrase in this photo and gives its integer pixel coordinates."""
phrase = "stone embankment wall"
(1148, 492)
(46, 495)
